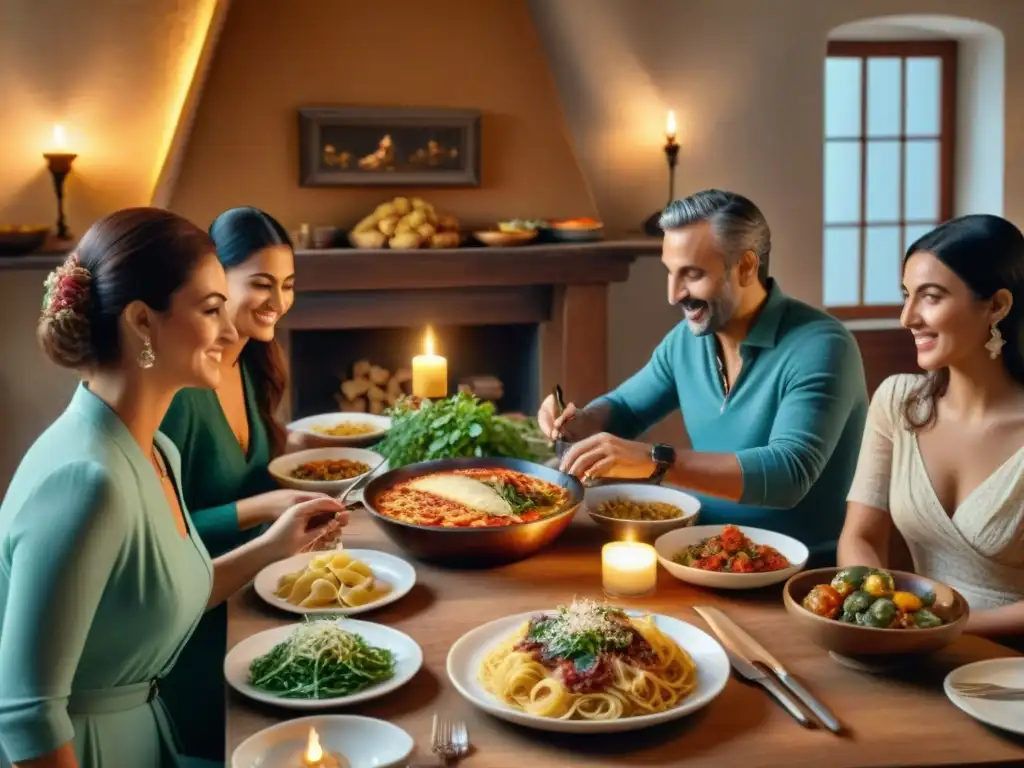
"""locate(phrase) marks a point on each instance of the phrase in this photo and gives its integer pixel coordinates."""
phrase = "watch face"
(663, 454)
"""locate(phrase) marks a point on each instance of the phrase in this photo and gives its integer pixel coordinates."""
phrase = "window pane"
(913, 231)
(884, 96)
(842, 182)
(883, 193)
(882, 261)
(921, 196)
(841, 268)
(924, 96)
(842, 97)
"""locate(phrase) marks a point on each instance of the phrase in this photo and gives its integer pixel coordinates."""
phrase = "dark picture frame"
(388, 147)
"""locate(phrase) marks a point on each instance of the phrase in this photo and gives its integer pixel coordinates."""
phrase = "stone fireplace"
(530, 316)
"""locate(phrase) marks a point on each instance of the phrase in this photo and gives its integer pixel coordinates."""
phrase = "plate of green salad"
(322, 663)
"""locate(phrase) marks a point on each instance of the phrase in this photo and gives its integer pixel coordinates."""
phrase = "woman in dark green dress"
(227, 437)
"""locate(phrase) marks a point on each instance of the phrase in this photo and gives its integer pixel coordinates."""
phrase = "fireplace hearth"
(530, 317)
(322, 359)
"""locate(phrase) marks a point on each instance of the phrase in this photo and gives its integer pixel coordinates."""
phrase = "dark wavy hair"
(987, 253)
(239, 233)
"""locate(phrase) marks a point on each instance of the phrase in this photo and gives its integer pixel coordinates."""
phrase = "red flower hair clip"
(67, 288)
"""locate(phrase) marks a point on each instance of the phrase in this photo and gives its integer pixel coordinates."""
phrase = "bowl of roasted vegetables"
(323, 470)
(861, 611)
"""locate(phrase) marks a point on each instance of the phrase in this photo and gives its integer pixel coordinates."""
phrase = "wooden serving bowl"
(485, 547)
(21, 240)
(854, 641)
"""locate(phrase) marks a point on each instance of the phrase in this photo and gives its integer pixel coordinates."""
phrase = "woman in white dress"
(943, 453)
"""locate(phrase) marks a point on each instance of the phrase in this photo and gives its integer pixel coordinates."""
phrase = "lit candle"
(628, 569)
(670, 127)
(60, 139)
(316, 757)
(429, 372)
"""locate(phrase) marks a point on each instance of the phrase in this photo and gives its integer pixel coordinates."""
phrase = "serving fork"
(988, 691)
(449, 740)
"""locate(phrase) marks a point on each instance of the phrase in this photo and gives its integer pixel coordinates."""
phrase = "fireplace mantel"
(351, 269)
(563, 288)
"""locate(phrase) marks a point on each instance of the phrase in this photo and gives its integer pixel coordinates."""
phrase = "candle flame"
(314, 752)
(60, 138)
(428, 341)
(670, 125)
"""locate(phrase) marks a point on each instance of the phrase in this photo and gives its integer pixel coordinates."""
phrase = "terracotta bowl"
(854, 641)
(497, 239)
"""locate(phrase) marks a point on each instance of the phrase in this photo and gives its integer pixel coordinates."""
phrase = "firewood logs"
(372, 388)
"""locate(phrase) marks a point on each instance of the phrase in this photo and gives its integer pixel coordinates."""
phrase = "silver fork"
(460, 739)
(988, 691)
(441, 740)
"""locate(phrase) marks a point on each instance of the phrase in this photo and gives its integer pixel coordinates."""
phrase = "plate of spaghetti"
(729, 557)
(588, 667)
(465, 511)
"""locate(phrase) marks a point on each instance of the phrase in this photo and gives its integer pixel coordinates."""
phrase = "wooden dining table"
(900, 718)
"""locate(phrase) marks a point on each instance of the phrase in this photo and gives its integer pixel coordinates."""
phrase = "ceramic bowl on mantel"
(852, 642)
(497, 239)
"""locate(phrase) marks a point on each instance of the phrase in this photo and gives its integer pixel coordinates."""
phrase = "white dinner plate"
(670, 544)
(363, 742)
(381, 425)
(408, 660)
(394, 571)
(466, 656)
(1008, 715)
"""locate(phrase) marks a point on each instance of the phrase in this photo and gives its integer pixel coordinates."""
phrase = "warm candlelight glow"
(628, 568)
(314, 752)
(60, 139)
(429, 371)
(670, 126)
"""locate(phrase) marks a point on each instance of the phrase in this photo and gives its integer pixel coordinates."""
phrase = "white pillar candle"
(429, 372)
(628, 569)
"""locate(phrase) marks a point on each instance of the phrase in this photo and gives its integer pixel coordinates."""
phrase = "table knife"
(756, 652)
(745, 667)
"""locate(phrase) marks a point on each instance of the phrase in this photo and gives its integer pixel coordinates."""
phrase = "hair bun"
(64, 326)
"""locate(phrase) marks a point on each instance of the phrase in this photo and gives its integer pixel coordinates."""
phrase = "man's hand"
(605, 455)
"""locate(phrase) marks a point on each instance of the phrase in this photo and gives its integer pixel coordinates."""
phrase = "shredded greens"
(320, 660)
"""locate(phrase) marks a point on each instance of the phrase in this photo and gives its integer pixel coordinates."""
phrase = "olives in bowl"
(861, 611)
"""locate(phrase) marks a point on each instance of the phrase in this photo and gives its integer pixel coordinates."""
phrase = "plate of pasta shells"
(588, 667)
(338, 582)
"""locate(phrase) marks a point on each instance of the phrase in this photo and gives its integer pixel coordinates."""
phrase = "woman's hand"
(268, 507)
(301, 524)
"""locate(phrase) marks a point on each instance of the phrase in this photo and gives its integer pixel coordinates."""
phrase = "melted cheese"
(466, 491)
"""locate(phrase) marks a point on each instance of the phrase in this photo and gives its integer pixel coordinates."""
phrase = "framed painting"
(389, 147)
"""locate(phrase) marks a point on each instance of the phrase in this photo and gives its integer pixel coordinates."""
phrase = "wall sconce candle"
(671, 149)
(59, 163)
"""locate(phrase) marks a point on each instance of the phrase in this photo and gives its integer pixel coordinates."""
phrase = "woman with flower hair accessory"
(102, 577)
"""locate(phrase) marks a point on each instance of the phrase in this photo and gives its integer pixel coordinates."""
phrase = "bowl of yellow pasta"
(640, 512)
(349, 429)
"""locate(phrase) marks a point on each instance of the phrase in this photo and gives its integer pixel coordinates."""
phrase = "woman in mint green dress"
(102, 577)
(227, 437)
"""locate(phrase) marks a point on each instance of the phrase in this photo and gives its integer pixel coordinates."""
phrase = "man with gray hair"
(771, 390)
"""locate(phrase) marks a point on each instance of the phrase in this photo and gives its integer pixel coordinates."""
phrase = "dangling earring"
(146, 357)
(995, 344)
